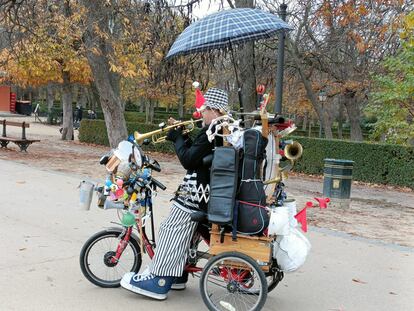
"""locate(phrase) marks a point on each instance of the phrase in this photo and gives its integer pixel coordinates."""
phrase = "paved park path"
(42, 232)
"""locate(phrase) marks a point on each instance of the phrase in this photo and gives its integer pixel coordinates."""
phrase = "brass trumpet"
(159, 136)
(293, 151)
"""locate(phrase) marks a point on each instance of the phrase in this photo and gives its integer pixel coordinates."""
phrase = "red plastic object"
(13, 102)
(196, 115)
(260, 89)
(301, 218)
(199, 99)
(323, 202)
(286, 124)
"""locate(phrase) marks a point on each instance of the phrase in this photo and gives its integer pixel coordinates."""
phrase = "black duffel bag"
(252, 217)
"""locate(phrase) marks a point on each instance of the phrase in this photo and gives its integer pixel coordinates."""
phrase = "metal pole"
(280, 63)
(239, 91)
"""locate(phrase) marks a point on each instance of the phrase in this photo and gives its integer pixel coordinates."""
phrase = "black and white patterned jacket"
(193, 193)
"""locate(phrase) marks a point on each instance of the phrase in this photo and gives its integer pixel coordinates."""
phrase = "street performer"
(166, 270)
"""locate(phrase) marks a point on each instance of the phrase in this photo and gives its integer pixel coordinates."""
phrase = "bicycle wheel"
(97, 252)
(233, 281)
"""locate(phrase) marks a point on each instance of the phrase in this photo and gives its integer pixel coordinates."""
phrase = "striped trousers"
(174, 239)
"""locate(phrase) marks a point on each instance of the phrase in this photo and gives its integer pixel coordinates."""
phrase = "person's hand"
(173, 134)
(171, 121)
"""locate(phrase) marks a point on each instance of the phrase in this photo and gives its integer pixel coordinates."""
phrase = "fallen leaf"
(392, 293)
(22, 249)
(359, 281)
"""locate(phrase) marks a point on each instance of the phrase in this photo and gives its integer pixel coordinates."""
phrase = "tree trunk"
(141, 105)
(181, 104)
(354, 115)
(99, 50)
(149, 111)
(310, 127)
(328, 127)
(306, 83)
(247, 67)
(49, 101)
(340, 119)
(67, 126)
(305, 121)
(82, 98)
(328, 120)
(110, 100)
(95, 100)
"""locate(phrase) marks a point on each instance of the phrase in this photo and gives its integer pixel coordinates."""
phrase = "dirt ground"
(376, 212)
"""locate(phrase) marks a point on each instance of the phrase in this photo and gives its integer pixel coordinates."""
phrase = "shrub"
(374, 163)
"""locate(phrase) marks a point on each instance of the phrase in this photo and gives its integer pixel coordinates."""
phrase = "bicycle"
(109, 254)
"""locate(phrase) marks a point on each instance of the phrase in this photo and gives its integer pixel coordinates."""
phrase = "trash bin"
(337, 179)
(24, 107)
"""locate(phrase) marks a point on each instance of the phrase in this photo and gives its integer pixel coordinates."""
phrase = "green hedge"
(374, 163)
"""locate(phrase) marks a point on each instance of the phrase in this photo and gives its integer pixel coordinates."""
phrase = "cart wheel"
(233, 281)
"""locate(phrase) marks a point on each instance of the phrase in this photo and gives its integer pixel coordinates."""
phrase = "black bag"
(223, 185)
(252, 218)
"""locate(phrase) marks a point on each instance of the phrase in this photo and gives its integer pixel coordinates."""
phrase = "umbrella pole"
(280, 64)
(239, 93)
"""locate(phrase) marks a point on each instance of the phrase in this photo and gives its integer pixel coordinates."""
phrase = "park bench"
(23, 142)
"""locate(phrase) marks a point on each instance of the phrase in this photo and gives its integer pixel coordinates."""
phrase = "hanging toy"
(120, 182)
(145, 173)
(119, 193)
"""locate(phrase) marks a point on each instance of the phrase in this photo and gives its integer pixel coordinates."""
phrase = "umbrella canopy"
(226, 28)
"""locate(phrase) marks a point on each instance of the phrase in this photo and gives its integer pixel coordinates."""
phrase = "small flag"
(301, 217)
(323, 202)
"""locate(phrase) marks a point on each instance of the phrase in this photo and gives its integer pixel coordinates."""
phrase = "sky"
(206, 7)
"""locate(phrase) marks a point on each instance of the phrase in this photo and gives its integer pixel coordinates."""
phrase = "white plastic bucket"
(85, 194)
(279, 221)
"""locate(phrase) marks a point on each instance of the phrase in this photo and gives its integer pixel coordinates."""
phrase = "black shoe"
(180, 283)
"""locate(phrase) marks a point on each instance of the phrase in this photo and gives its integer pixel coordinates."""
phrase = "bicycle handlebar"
(158, 183)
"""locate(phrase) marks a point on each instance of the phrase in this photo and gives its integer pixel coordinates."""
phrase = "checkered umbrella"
(226, 28)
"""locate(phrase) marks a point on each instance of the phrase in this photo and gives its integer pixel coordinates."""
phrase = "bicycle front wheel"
(97, 254)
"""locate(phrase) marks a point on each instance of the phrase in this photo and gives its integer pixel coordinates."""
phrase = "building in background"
(5, 98)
